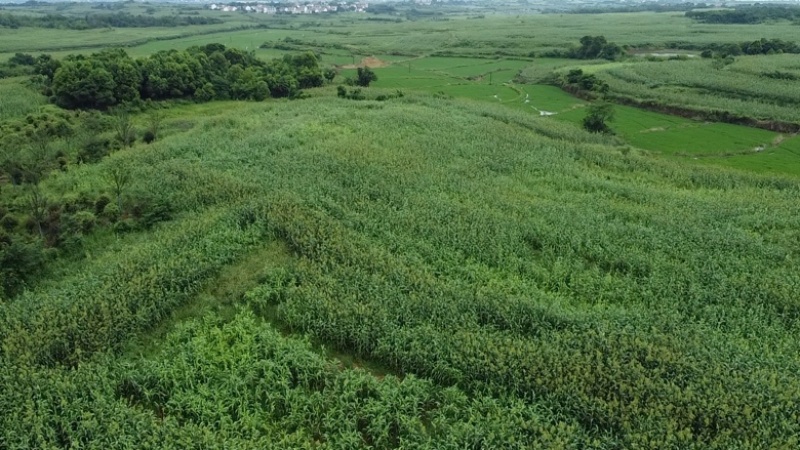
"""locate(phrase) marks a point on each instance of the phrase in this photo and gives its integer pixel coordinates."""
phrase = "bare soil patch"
(370, 61)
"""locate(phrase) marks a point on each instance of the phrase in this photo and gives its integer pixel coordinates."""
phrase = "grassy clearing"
(776, 159)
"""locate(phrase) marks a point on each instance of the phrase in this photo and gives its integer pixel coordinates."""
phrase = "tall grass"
(525, 262)
(16, 100)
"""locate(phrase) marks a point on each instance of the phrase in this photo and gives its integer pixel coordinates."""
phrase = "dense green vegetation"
(118, 20)
(596, 47)
(750, 14)
(444, 241)
(608, 325)
(203, 73)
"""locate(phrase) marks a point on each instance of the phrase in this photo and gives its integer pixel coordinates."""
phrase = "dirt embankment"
(370, 62)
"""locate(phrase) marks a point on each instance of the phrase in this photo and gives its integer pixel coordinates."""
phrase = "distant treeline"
(115, 20)
(642, 7)
(382, 8)
(758, 47)
(112, 77)
(747, 14)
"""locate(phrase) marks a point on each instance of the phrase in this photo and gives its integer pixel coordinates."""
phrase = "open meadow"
(395, 230)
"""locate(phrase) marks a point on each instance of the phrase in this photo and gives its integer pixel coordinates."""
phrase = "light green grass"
(780, 159)
(17, 100)
(669, 135)
(38, 40)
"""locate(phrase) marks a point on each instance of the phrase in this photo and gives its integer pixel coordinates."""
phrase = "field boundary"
(691, 113)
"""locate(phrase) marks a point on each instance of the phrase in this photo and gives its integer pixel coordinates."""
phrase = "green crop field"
(668, 135)
(240, 239)
(740, 88)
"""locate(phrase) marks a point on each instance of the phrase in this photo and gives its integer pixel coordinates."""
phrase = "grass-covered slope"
(525, 285)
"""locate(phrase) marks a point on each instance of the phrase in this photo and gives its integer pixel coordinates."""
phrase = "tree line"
(111, 77)
(746, 15)
(761, 46)
(643, 7)
(90, 21)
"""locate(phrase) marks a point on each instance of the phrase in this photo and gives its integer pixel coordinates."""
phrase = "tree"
(365, 76)
(123, 126)
(124, 71)
(574, 76)
(120, 175)
(597, 47)
(46, 66)
(329, 74)
(154, 120)
(83, 84)
(597, 118)
(22, 59)
(38, 204)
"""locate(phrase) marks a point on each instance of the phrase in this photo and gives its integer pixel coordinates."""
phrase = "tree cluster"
(18, 65)
(111, 77)
(586, 82)
(90, 21)
(761, 47)
(596, 47)
(746, 15)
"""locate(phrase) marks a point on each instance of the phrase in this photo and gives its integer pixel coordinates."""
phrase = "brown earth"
(370, 61)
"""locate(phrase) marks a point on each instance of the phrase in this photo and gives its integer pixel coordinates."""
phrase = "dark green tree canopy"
(83, 84)
(365, 76)
(112, 77)
(596, 47)
(598, 116)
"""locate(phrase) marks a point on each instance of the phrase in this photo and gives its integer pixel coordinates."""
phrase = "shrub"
(148, 137)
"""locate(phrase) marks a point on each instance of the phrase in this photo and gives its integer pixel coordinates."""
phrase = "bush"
(365, 77)
(84, 221)
(101, 203)
(9, 222)
(94, 149)
(111, 211)
(597, 117)
(148, 137)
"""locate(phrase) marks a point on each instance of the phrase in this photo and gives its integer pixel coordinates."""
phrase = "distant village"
(291, 8)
